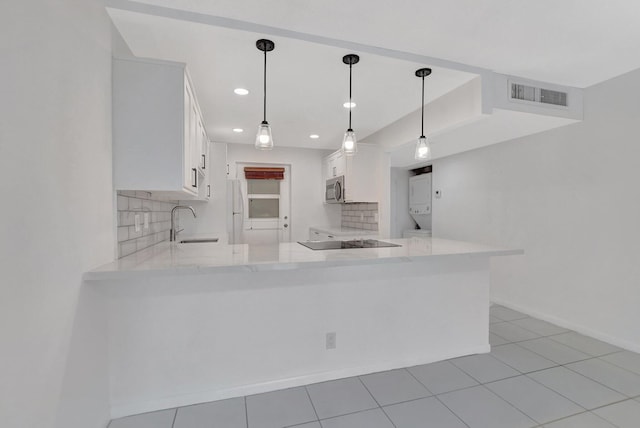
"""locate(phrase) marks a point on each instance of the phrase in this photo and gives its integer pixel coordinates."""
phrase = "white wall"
(307, 208)
(217, 335)
(57, 217)
(570, 198)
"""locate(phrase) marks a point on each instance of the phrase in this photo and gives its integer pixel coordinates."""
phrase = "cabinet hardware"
(208, 190)
(195, 177)
(204, 161)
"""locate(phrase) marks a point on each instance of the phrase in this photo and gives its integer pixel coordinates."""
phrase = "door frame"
(283, 223)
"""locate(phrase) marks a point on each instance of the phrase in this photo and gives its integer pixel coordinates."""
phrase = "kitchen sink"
(198, 240)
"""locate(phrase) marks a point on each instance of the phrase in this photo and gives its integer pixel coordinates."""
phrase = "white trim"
(625, 344)
(119, 410)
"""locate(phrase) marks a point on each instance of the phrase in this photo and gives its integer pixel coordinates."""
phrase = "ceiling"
(307, 83)
(570, 42)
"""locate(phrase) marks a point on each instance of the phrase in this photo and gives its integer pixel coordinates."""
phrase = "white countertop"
(175, 259)
(345, 231)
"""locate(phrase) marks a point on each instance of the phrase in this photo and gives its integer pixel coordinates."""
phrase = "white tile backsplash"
(132, 203)
(360, 215)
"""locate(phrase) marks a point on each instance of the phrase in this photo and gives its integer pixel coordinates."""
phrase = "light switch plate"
(136, 222)
(146, 220)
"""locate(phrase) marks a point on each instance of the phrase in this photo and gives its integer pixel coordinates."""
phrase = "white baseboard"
(596, 334)
(119, 410)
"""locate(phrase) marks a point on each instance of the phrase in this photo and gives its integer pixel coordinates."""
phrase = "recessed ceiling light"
(241, 91)
(314, 136)
(349, 104)
(238, 130)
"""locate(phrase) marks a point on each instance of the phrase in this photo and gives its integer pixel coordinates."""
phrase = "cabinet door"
(331, 170)
(204, 189)
(336, 165)
(195, 138)
(190, 172)
(325, 171)
(339, 164)
(204, 146)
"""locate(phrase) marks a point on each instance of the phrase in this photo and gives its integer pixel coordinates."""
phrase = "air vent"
(538, 95)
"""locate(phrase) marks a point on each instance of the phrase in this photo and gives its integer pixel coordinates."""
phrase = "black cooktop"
(342, 245)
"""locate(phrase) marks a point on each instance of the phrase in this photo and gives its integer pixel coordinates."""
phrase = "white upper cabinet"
(360, 171)
(159, 141)
(335, 164)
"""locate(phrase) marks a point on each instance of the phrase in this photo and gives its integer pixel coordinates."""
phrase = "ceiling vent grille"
(538, 95)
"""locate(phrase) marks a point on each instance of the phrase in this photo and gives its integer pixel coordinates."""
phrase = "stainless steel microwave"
(334, 192)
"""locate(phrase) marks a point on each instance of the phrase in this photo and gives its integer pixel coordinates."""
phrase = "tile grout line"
(313, 406)
(597, 381)
(559, 363)
(573, 347)
(497, 359)
(556, 392)
(374, 399)
(437, 398)
(551, 337)
(345, 414)
(512, 377)
(555, 364)
(246, 412)
(175, 416)
(617, 365)
(500, 398)
(564, 417)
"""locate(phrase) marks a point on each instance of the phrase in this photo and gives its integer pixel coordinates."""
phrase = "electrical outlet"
(146, 221)
(438, 194)
(136, 222)
(331, 340)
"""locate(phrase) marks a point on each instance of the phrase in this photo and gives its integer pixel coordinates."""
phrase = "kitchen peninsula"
(190, 323)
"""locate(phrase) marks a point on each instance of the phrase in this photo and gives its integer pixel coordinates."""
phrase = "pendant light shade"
(264, 139)
(349, 142)
(423, 147)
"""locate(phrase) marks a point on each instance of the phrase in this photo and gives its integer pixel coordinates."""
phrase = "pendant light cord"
(265, 87)
(350, 103)
(422, 135)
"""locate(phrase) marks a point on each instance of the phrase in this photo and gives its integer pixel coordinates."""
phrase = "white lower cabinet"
(159, 141)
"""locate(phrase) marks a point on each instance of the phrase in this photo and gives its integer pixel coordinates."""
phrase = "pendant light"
(423, 148)
(264, 140)
(349, 143)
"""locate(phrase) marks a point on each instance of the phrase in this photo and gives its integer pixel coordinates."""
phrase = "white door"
(267, 216)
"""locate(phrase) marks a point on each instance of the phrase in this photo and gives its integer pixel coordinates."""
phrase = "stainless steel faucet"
(173, 232)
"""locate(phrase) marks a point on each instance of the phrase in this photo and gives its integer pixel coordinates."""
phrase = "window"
(264, 198)
(263, 187)
(264, 208)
